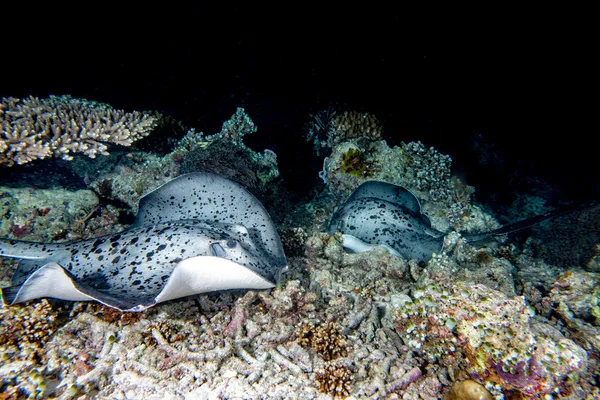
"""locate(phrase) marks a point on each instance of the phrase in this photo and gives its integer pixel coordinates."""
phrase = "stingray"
(382, 214)
(197, 233)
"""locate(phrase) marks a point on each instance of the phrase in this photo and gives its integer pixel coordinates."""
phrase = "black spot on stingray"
(116, 259)
(136, 282)
(96, 280)
(161, 247)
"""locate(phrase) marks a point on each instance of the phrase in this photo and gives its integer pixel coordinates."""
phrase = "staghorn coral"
(59, 126)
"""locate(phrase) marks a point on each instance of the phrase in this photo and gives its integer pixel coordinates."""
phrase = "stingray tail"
(528, 222)
(26, 250)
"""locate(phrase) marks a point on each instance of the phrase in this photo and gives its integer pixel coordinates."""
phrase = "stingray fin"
(389, 192)
(207, 274)
(52, 280)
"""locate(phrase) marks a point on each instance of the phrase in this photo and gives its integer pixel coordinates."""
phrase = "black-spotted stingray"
(382, 214)
(198, 233)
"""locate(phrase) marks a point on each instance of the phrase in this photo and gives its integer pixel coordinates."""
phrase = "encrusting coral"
(59, 126)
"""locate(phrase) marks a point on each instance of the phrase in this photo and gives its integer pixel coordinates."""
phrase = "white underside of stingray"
(191, 276)
(355, 245)
(198, 233)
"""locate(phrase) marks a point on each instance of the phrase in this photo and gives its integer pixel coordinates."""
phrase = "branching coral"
(327, 340)
(335, 380)
(34, 128)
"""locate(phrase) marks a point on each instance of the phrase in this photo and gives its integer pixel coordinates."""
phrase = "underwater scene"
(155, 252)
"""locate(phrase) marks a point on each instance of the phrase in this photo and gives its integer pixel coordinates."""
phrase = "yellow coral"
(467, 390)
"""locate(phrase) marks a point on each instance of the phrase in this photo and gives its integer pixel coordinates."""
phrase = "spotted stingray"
(382, 214)
(198, 233)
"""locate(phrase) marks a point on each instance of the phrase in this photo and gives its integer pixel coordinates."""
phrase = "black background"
(533, 110)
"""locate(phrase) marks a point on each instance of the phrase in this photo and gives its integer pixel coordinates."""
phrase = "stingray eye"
(218, 250)
(231, 243)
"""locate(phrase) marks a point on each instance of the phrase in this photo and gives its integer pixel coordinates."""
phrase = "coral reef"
(34, 128)
(425, 172)
(329, 127)
(326, 340)
(474, 322)
(430, 170)
(356, 126)
(43, 215)
(239, 125)
(128, 178)
(355, 162)
(24, 332)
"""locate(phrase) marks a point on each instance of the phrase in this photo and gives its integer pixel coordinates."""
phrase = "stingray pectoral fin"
(51, 280)
(207, 274)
